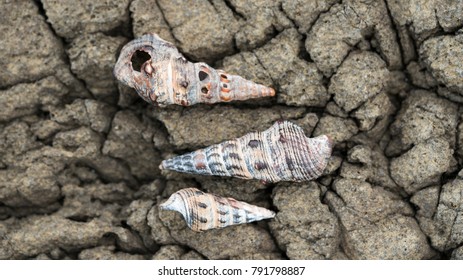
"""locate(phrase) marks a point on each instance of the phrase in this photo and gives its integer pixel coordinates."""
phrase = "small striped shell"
(280, 153)
(203, 211)
(168, 78)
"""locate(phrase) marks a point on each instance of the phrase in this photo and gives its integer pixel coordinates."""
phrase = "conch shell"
(280, 153)
(168, 78)
(203, 211)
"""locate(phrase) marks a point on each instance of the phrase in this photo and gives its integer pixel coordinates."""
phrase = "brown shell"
(168, 78)
(280, 153)
(203, 211)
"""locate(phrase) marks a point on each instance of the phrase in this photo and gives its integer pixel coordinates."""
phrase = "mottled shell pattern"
(203, 211)
(280, 153)
(168, 78)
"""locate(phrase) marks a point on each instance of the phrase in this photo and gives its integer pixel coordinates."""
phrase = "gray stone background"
(79, 153)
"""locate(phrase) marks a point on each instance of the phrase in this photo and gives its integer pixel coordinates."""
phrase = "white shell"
(203, 211)
(280, 153)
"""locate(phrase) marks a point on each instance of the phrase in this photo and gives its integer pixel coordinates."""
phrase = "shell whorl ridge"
(280, 153)
(203, 211)
(168, 78)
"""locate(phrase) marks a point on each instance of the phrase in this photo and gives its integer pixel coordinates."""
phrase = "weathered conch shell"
(280, 153)
(168, 78)
(203, 211)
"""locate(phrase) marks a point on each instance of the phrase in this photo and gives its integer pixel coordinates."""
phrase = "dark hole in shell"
(202, 75)
(184, 84)
(223, 76)
(138, 58)
(204, 90)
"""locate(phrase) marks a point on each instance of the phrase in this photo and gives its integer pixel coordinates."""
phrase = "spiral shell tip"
(330, 142)
(165, 205)
(272, 92)
(174, 203)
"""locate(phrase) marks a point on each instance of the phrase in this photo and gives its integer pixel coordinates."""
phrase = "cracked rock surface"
(79, 152)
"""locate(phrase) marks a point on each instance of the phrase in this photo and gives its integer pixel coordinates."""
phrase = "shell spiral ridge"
(280, 153)
(203, 211)
(167, 77)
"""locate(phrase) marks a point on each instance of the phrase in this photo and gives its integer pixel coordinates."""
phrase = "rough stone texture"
(457, 254)
(147, 17)
(305, 13)
(28, 48)
(128, 241)
(366, 161)
(460, 141)
(278, 63)
(360, 77)
(137, 214)
(214, 26)
(95, 200)
(423, 116)
(339, 129)
(304, 227)
(259, 21)
(175, 252)
(34, 235)
(424, 18)
(83, 146)
(248, 65)
(130, 140)
(85, 112)
(160, 233)
(444, 224)
(419, 76)
(426, 201)
(443, 56)
(299, 82)
(228, 242)
(79, 152)
(422, 165)
(31, 98)
(71, 19)
(250, 191)
(345, 25)
(93, 57)
(107, 253)
(22, 155)
(258, 256)
(376, 223)
(228, 123)
(374, 115)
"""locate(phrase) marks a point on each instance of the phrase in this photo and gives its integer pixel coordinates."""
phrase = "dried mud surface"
(79, 153)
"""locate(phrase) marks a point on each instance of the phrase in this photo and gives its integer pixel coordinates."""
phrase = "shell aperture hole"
(138, 58)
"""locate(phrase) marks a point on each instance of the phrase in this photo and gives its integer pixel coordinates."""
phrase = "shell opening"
(202, 75)
(224, 78)
(138, 59)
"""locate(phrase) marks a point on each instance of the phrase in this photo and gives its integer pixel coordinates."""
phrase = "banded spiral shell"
(168, 78)
(203, 211)
(280, 153)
